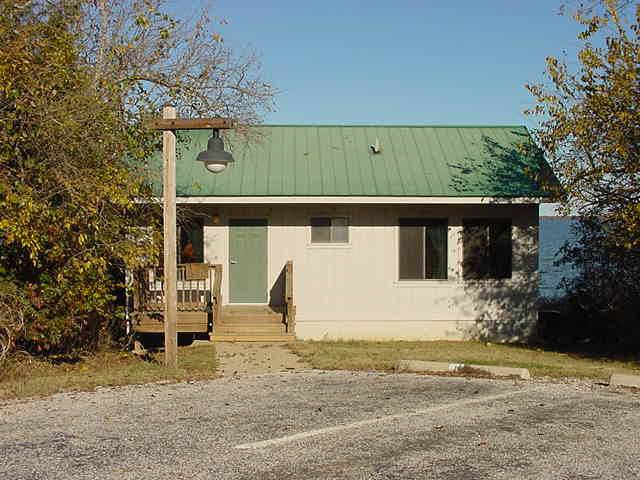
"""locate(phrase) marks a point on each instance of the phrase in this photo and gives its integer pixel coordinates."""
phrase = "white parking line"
(372, 421)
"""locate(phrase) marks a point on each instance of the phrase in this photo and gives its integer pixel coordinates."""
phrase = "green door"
(248, 261)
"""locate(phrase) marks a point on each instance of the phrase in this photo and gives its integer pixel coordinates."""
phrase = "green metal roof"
(333, 160)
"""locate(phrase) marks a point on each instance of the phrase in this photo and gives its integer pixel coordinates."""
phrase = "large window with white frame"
(423, 247)
(329, 230)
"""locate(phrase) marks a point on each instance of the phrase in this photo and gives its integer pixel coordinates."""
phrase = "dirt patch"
(250, 358)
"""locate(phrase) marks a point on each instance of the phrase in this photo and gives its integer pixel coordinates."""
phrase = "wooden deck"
(200, 307)
(198, 297)
(188, 322)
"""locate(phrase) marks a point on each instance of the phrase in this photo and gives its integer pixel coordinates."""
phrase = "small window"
(487, 248)
(329, 230)
(423, 249)
(191, 241)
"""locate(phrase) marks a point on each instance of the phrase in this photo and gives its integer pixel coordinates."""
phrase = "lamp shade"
(214, 157)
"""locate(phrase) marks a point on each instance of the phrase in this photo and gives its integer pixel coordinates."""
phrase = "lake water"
(554, 232)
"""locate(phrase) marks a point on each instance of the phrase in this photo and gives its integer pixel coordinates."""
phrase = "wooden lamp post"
(215, 160)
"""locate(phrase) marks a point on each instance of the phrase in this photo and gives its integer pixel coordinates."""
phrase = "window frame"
(331, 242)
(491, 249)
(425, 222)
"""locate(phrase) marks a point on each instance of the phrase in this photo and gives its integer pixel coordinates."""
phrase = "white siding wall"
(353, 291)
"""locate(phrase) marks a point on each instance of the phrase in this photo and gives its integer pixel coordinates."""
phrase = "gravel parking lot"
(324, 425)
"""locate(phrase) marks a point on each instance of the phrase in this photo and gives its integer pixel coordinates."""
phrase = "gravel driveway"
(326, 425)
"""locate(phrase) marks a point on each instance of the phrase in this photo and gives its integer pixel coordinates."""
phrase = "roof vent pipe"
(376, 147)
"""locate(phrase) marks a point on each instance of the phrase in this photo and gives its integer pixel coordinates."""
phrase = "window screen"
(487, 251)
(423, 249)
(329, 230)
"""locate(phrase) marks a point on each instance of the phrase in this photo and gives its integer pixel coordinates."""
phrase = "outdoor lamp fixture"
(214, 157)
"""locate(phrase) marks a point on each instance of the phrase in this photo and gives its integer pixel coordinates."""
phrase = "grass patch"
(365, 355)
(28, 377)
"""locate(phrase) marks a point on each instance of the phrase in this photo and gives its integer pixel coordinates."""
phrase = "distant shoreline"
(559, 217)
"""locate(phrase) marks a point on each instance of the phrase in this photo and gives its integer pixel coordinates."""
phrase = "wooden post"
(169, 223)
(290, 308)
(216, 294)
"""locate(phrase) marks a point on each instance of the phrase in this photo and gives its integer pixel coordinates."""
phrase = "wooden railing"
(216, 293)
(289, 306)
(196, 284)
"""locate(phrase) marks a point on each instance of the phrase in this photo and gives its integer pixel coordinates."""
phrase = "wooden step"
(250, 314)
(251, 323)
(251, 309)
(285, 337)
(237, 318)
(250, 329)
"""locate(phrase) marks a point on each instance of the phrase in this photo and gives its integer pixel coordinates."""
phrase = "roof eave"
(364, 200)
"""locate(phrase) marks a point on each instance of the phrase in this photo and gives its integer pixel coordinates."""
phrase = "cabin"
(354, 232)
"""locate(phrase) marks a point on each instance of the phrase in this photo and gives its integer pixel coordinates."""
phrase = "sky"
(398, 62)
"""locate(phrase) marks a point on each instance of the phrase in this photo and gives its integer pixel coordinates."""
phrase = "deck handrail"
(289, 305)
(194, 289)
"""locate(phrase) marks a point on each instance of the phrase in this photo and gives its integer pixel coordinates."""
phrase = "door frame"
(229, 219)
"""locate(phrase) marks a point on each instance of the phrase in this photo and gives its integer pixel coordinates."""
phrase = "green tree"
(67, 198)
(590, 132)
(77, 81)
(590, 120)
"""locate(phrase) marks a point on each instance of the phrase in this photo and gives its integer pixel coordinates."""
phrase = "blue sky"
(398, 62)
